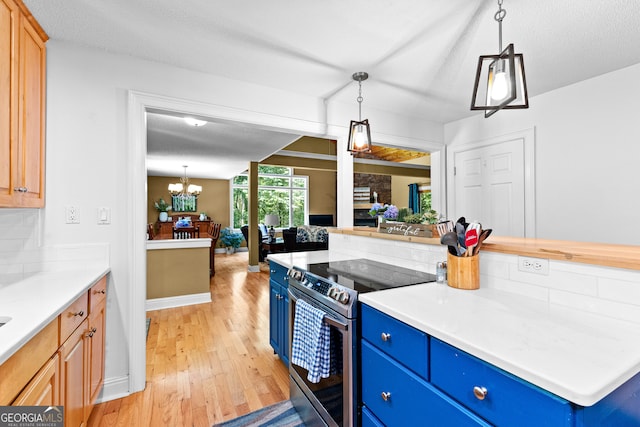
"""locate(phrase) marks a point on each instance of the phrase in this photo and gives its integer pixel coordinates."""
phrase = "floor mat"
(281, 414)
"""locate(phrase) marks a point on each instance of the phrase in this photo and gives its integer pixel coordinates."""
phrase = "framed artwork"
(184, 203)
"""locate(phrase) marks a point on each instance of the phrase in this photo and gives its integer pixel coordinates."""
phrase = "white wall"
(587, 146)
(87, 152)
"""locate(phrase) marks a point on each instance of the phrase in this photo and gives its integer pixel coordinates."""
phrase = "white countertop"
(35, 301)
(579, 356)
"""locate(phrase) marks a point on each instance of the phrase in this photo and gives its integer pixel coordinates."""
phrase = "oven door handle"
(295, 296)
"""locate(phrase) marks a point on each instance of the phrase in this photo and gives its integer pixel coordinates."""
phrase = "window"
(279, 192)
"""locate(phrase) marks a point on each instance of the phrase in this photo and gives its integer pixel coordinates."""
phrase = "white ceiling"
(421, 55)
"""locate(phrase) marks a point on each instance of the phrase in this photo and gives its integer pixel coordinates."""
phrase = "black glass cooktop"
(364, 275)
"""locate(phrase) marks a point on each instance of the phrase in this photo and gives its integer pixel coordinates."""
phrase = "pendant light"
(359, 131)
(504, 85)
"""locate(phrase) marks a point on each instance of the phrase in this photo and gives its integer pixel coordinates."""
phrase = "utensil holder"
(463, 272)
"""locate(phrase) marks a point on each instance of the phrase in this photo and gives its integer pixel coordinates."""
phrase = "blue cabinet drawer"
(508, 400)
(400, 398)
(370, 420)
(402, 342)
(278, 273)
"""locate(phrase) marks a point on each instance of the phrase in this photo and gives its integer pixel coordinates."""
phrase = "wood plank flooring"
(207, 363)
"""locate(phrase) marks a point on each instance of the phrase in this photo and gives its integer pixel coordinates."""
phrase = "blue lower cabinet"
(499, 397)
(402, 342)
(370, 420)
(398, 397)
(279, 311)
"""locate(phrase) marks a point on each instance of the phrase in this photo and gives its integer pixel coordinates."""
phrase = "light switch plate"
(104, 216)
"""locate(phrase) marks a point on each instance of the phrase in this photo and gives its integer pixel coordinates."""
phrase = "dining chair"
(186, 232)
(214, 234)
(151, 234)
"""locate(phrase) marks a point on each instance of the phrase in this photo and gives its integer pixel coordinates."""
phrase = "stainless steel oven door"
(334, 397)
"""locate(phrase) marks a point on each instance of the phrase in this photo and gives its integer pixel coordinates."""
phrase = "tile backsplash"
(22, 253)
(608, 291)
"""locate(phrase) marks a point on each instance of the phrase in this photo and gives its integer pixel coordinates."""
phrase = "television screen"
(323, 220)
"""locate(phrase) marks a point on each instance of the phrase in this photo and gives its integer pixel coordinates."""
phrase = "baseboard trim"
(178, 301)
(114, 388)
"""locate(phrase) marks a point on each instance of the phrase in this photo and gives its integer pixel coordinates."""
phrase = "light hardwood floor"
(207, 363)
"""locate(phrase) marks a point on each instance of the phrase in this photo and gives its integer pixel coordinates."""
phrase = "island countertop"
(579, 356)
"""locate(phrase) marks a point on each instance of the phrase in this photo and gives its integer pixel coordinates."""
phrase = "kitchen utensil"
(442, 228)
(483, 236)
(471, 239)
(460, 230)
(451, 239)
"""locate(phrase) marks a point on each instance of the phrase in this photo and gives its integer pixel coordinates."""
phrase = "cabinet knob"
(101, 291)
(91, 332)
(480, 392)
(79, 313)
(386, 396)
(21, 189)
(385, 336)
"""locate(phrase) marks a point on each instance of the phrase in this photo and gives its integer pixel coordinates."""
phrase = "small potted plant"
(230, 239)
(162, 207)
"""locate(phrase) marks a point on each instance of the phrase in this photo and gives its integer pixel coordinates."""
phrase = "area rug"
(281, 414)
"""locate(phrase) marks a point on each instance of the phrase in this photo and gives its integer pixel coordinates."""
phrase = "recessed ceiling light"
(194, 122)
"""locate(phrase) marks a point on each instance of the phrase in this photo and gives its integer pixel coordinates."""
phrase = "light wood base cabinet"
(44, 388)
(64, 363)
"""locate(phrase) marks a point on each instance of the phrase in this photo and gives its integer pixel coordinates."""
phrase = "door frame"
(138, 104)
(528, 137)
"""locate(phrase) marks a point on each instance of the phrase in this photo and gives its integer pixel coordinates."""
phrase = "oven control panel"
(321, 286)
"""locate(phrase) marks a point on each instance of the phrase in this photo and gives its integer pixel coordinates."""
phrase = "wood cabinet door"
(95, 356)
(31, 109)
(72, 376)
(9, 18)
(44, 388)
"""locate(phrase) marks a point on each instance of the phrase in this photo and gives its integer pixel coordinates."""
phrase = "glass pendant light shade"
(500, 83)
(359, 137)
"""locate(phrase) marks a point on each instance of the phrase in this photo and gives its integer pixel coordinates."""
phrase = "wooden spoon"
(482, 238)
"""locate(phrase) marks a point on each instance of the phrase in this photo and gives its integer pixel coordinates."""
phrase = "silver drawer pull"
(386, 396)
(480, 392)
(21, 189)
(80, 313)
(385, 336)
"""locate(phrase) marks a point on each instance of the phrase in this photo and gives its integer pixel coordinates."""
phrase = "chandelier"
(184, 188)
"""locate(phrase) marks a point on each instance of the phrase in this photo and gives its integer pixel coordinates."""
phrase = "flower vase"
(230, 250)
(163, 216)
(380, 221)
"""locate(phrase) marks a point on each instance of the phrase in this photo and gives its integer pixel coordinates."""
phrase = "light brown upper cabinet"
(22, 107)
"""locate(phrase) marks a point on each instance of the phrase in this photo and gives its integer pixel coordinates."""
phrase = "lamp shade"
(271, 220)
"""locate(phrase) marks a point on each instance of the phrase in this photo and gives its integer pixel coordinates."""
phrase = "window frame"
(291, 176)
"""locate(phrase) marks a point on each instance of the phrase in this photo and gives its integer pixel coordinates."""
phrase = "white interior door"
(490, 186)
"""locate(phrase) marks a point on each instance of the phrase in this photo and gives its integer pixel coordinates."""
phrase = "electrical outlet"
(533, 265)
(72, 215)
